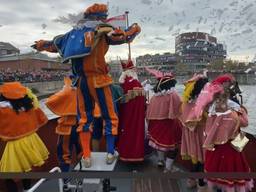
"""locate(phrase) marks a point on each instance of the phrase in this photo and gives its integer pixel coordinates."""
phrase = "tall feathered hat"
(160, 75)
(223, 79)
(210, 90)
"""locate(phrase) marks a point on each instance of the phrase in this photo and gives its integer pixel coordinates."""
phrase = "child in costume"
(193, 128)
(20, 118)
(164, 127)
(224, 123)
(64, 104)
(86, 45)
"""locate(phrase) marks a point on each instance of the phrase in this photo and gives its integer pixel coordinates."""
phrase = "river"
(249, 98)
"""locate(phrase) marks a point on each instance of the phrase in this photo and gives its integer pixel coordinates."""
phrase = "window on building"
(3, 52)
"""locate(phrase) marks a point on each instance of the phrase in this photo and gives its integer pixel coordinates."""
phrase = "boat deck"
(135, 185)
(47, 133)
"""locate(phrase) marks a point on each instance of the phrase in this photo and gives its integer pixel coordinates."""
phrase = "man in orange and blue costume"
(86, 45)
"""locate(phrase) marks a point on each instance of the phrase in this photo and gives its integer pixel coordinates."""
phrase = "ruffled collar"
(5, 104)
(231, 106)
(165, 92)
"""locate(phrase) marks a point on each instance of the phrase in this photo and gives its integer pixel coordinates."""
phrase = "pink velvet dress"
(192, 134)
(220, 156)
(164, 127)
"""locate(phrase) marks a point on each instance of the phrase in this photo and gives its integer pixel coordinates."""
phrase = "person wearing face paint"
(224, 124)
(164, 127)
(20, 119)
(193, 129)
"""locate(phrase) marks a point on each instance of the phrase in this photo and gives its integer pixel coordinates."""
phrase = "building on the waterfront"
(162, 62)
(197, 49)
(31, 62)
(8, 49)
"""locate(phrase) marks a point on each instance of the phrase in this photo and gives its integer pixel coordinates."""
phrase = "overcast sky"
(233, 22)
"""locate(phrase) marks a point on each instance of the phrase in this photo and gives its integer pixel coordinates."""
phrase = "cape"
(132, 122)
(164, 106)
(78, 42)
(223, 127)
(17, 125)
(63, 103)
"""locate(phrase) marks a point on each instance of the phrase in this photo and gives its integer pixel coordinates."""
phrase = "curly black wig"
(199, 85)
(164, 84)
(24, 103)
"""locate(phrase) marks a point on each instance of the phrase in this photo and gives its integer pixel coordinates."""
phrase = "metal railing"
(41, 181)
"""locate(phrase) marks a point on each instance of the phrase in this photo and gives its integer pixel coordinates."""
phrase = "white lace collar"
(5, 104)
(231, 106)
(165, 92)
(223, 113)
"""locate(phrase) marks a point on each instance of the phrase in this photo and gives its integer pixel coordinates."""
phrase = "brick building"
(32, 62)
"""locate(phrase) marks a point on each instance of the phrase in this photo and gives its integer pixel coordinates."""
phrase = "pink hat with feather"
(210, 90)
(160, 75)
(223, 79)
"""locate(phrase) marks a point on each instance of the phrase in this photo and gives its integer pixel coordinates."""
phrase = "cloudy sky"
(233, 22)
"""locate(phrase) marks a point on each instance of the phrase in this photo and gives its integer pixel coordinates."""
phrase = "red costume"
(132, 116)
(164, 127)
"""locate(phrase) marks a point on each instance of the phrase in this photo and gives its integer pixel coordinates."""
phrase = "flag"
(118, 21)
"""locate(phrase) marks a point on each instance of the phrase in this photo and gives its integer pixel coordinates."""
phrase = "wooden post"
(127, 25)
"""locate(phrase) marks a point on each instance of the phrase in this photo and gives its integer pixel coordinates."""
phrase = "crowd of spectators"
(8, 75)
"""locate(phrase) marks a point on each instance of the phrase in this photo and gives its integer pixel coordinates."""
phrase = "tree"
(216, 65)
(181, 68)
